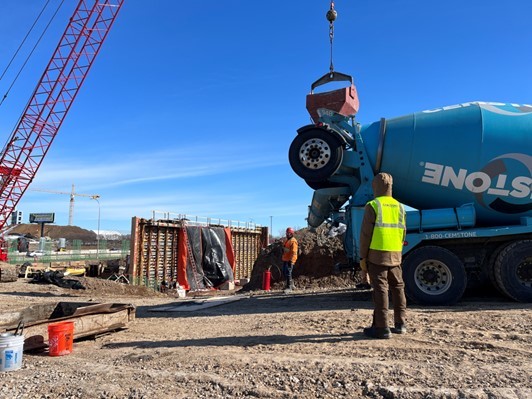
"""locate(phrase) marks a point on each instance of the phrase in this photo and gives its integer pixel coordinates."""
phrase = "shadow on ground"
(241, 341)
(266, 303)
(279, 302)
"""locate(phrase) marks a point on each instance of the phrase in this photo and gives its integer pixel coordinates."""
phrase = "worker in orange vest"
(289, 257)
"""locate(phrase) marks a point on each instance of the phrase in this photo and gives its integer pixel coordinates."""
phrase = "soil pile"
(55, 232)
(317, 265)
(103, 287)
(93, 287)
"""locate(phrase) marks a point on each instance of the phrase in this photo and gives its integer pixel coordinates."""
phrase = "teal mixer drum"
(479, 153)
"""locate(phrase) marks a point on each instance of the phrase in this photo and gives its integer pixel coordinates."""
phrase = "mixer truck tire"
(434, 276)
(513, 270)
(491, 269)
(315, 154)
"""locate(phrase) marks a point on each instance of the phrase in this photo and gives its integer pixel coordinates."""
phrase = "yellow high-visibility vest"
(389, 224)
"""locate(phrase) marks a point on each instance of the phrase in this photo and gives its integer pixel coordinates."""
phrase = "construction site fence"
(76, 252)
(155, 248)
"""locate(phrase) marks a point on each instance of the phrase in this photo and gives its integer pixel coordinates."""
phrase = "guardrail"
(203, 221)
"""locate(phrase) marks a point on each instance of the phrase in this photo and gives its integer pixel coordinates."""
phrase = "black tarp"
(56, 278)
(209, 255)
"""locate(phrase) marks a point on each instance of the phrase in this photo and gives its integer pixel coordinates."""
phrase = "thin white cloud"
(116, 212)
(155, 166)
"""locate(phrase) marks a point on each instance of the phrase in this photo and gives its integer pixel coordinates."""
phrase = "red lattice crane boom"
(40, 121)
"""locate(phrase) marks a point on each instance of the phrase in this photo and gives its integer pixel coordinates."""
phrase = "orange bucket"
(60, 338)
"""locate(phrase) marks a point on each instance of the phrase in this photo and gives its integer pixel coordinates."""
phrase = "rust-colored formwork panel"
(155, 250)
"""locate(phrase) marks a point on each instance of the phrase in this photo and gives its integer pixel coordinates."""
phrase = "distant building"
(16, 217)
(109, 234)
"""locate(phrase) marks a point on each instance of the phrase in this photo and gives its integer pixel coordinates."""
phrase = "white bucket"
(11, 348)
(181, 293)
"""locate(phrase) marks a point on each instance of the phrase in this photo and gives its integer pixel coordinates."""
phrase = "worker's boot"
(398, 329)
(378, 332)
(289, 285)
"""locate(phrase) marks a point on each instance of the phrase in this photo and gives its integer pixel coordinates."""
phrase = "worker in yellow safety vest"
(382, 236)
(289, 257)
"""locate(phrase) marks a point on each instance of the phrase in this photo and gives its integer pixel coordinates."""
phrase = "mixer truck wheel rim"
(433, 277)
(524, 274)
(315, 154)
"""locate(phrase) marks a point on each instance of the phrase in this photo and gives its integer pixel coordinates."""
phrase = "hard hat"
(289, 230)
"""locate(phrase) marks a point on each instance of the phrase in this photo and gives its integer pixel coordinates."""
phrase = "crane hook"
(331, 17)
(331, 14)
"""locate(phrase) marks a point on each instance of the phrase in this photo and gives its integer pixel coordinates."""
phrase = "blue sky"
(191, 107)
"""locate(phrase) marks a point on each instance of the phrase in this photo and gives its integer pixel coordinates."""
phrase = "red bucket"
(60, 338)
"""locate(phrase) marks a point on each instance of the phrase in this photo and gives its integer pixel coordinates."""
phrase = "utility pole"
(94, 197)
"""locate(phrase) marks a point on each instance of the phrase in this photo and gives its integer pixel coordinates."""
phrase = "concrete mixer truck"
(464, 173)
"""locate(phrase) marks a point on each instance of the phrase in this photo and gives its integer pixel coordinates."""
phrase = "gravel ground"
(308, 344)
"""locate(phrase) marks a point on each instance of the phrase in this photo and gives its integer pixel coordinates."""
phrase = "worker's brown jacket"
(384, 258)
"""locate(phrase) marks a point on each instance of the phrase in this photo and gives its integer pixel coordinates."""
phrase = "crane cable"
(24, 40)
(331, 17)
(33, 49)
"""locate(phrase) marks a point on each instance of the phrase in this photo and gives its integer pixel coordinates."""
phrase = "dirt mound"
(315, 266)
(105, 287)
(96, 287)
(55, 232)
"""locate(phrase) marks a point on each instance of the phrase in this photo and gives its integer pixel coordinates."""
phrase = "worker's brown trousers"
(384, 278)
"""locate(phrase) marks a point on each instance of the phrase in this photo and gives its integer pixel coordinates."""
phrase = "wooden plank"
(37, 335)
(27, 315)
(8, 273)
(89, 319)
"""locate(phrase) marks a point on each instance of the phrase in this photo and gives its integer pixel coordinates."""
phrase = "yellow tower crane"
(72, 194)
